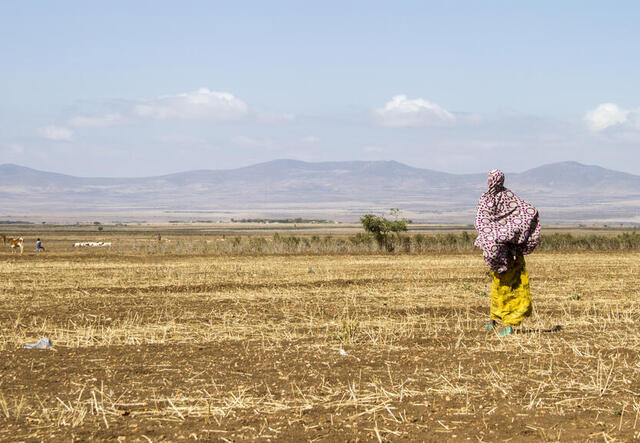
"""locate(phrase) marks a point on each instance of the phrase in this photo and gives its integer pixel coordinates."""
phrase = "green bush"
(382, 228)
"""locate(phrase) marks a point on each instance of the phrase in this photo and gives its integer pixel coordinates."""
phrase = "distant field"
(155, 341)
(268, 228)
(235, 238)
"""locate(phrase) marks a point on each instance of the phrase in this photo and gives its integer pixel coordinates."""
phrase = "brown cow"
(16, 243)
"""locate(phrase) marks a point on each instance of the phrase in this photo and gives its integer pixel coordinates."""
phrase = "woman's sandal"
(491, 326)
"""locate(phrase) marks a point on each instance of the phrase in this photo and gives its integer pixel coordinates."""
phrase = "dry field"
(152, 347)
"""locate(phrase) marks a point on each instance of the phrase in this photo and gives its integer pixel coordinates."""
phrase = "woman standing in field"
(508, 228)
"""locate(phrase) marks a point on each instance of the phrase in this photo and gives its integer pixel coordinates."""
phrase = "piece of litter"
(43, 343)
(343, 352)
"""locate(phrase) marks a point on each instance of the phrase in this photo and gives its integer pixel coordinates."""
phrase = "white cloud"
(15, 148)
(202, 104)
(310, 139)
(274, 117)
(96, 121)
(179, 139)
(605, 116)
(58, 133)
(403, 112)
(251, 142)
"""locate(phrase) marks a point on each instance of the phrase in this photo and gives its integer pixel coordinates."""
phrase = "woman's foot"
(506, 331)
(491, 326)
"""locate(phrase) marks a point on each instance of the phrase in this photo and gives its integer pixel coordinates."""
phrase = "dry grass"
(159, 347)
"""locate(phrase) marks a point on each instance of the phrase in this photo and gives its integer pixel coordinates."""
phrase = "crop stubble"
(162, 347)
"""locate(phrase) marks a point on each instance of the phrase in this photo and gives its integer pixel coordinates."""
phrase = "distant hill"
(574, 177)
(569, 192)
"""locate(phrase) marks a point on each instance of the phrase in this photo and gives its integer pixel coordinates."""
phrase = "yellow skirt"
(510, 297)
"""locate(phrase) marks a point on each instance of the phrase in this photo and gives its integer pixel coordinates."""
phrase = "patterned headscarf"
(507, 225)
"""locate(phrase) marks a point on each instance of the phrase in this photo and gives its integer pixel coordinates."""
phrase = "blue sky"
(141, 88)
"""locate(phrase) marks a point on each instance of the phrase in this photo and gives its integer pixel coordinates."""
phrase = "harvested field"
(152, 346)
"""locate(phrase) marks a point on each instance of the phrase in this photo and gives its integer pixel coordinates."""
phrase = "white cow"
(91, 244)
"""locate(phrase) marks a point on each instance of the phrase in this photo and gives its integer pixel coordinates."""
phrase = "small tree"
(382, 228)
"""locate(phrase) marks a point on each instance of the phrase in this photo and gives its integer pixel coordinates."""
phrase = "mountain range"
(565, 193)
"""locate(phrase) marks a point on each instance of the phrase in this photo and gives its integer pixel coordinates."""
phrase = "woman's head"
(495, 181)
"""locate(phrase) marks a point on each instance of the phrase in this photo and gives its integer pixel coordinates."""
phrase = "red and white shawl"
(507, 225)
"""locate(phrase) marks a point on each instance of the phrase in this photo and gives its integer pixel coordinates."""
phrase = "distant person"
(39, 246)
(159, 237)
(508, 228)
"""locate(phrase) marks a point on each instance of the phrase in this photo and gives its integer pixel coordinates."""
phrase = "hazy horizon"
(303, 161)
(564, 192)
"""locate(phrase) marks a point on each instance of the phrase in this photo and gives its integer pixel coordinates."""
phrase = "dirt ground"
(152, 347)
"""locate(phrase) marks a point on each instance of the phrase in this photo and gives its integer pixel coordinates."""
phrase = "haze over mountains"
(566, 193)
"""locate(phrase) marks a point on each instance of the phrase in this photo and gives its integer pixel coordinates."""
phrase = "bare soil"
(152, 347)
